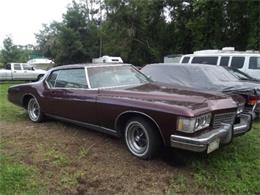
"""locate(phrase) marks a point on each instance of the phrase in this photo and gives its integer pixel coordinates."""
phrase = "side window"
(17, 67)
(52, 78)
(71, 78)
(185, 60)
(212, 60)
(26, 67)
(254, 63)
(8, 67)
(224, 61)
(237, 62)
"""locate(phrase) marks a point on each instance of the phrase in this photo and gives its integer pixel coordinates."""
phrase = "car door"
(18, 72)
(68, 96)
(29, 72)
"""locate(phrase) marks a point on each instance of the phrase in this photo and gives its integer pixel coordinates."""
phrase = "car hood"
(170, 98)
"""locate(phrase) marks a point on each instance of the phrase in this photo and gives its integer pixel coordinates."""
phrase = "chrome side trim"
(87, 125)
(141, 113)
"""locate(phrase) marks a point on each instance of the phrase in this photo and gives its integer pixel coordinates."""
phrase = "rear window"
(212, 60)
(224, 61)
(254, 63)
(237, 62)
(185, 60)
(8, 67)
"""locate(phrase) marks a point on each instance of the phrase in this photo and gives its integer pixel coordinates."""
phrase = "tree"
(74, 40)
(135, 30)
(9, 53)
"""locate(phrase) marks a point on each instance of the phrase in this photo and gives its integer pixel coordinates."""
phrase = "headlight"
(190, 125)
(240, 109)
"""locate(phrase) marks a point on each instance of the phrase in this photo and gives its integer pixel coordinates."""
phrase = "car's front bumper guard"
(201, 142)
(244, 125)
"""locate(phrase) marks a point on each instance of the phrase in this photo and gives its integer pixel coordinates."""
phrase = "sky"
(21, 19)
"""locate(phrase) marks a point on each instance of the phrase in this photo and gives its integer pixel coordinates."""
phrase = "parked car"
(119, 100)
(20, 71)
(245, 77)
(246, 61)
(206, 77)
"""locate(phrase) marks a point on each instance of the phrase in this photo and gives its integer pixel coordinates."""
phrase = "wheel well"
(26, 99)
(123, 118)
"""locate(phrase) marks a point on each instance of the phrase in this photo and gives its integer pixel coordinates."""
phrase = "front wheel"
(34, 111)
(142, 138)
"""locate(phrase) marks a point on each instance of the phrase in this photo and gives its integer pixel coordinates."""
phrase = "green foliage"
(11, 53)
(143, 31)
(74, 40)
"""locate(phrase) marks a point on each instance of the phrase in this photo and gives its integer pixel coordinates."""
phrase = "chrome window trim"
(111, 87)
(49, 87)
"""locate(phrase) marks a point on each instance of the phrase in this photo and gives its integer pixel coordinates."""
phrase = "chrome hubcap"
(136, 138)
(33, 109)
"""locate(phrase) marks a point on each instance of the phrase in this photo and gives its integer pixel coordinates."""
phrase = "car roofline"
(69, 66)
(180, 64)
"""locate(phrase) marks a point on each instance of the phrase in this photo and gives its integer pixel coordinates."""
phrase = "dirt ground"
(74, 160)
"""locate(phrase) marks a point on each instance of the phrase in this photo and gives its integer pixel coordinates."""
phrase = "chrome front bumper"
(244, 125)
(219, 136)
(201, 142)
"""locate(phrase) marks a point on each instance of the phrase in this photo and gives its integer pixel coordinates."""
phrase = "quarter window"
(224, 61)
(212, 60)
(68, 78)
(17, 67)
(237, 62)
(185, 60)
(254, 63)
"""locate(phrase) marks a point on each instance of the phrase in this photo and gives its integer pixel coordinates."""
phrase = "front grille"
(227, 118)
(248, 109)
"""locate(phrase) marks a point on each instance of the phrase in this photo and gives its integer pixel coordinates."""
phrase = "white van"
(245, 61)
(107, 59)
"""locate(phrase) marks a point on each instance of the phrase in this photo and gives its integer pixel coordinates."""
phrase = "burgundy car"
(119, 100)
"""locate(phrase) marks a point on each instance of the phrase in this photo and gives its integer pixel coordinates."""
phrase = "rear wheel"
(34, 110)
(142, 138)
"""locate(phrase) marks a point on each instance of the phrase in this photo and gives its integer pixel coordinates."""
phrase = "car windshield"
(239, 74)
(115, 76)
(217, 73)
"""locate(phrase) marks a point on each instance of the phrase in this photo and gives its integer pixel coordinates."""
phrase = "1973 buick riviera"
(119, 100)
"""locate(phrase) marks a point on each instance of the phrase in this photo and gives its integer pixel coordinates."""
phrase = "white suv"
(245, 61)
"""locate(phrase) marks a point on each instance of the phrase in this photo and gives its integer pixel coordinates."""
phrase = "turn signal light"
(252, 100)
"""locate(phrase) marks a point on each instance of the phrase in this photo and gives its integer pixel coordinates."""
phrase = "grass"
(234, 169)
(8, 111)
(16, 177)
